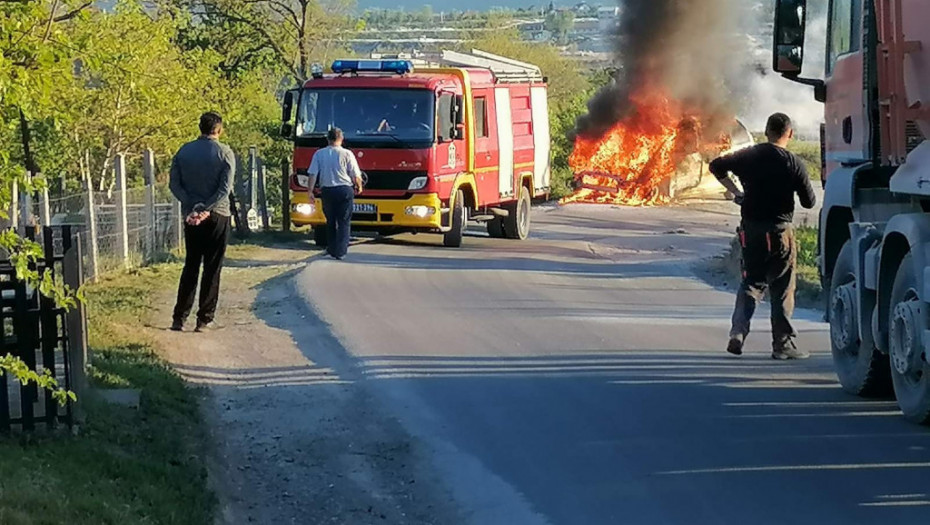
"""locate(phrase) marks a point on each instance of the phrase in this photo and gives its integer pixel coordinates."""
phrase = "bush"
(809, 151)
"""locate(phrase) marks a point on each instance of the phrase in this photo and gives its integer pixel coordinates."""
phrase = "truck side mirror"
(288, 107)
(790, 28)
(459, 118)
(287, 130)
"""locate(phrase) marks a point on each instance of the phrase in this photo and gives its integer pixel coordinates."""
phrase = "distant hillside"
(473, 5)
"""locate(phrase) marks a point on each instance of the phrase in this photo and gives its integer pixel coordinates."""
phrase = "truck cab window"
(375, 115)
(445, 119)
(844, 30)
(481, 117)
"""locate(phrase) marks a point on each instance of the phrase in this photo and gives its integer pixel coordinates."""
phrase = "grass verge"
(126, 465)
(809, 291)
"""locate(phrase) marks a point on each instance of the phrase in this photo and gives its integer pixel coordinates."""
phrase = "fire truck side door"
(504, 141)
(541, 144)
(486, 148)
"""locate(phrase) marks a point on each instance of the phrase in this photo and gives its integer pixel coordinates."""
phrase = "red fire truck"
(875, 222)
(463, 139)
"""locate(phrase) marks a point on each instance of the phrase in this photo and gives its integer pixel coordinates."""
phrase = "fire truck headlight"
(421, 211)
(304, 208)
(417, 184)
(303, 180)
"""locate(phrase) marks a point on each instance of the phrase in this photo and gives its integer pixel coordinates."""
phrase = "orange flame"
(634, 161)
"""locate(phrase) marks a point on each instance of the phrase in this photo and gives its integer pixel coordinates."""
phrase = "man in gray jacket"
(201, 178)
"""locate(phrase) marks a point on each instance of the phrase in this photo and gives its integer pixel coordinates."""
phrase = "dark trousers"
(769, 259)
(205, 244)
(337, 206)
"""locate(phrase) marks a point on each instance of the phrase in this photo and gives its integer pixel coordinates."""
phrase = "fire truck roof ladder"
(505, 69)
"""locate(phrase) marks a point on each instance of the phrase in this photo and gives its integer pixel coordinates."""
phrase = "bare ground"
(295, 440)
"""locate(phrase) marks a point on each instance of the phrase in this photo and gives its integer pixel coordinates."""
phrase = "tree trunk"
(29, 160)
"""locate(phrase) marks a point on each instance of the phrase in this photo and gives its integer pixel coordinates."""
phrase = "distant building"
(608, 12)
(608, 18)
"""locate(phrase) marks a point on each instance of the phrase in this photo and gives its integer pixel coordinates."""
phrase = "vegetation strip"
(125, 465)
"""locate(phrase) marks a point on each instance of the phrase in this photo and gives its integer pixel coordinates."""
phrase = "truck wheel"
(496, 228)
(517, 225)
(453, 238)
(319, 236)
(910, 371)
(861, 371)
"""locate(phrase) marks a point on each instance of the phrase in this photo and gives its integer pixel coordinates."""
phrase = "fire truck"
(465, 138)
(875, 222)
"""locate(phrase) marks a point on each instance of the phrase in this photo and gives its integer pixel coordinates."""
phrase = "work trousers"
(206, 245)
(768, 263)
(337, 206)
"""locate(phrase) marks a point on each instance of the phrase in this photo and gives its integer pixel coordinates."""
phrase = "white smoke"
(767, 92)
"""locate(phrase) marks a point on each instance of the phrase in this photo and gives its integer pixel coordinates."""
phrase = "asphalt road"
(579, 377)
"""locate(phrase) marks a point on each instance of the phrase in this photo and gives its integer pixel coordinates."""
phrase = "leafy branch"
(15, 367)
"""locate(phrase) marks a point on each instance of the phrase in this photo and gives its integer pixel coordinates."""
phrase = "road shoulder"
(295, 441)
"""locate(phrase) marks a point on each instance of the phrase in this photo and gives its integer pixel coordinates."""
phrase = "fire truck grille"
(913, 136)
(391, 180)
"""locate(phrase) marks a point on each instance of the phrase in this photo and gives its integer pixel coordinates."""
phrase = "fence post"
(286, 195)
(76, 318)
(122, 218)
(25, 205)
(178, 223)
(148, 171)
(253, 171)
(45, 209)
(262, 200)
(91, 219)
(14, 206)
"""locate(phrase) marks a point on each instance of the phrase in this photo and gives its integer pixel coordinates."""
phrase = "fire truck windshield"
(368, 115)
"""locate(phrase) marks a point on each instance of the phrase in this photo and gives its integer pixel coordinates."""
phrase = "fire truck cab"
(464, 140)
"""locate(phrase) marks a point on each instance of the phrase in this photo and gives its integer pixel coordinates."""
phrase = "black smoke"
(692, 50)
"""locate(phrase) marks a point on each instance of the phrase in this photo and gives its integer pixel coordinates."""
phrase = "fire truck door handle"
(847, 130)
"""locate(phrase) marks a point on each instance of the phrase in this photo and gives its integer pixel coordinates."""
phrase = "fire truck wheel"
(319, 236)
(910, 370)
(517, 225)
(453, 237)
(496, 228)
(862, 371)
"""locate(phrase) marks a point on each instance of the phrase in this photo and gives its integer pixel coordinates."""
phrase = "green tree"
(566, 79)
(33, 53)
(298, 32)
(133, 89)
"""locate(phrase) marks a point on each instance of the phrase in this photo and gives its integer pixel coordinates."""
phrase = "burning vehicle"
(670, 109)
(658, 153)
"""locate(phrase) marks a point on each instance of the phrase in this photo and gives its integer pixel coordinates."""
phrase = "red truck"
(875, 221)
(463, 139)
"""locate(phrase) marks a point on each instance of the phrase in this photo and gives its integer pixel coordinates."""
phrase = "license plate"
(364, 208)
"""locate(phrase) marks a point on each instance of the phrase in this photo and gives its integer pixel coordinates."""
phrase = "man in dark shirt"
(201, 178)
(770, 176)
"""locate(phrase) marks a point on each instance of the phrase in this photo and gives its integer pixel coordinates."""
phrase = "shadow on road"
(596, 268)
(635, 436)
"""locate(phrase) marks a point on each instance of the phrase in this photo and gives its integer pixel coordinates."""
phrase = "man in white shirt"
(340, 179)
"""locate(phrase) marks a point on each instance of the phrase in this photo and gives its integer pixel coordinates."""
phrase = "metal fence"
(118, 229)
(128, 227)
(46, 337)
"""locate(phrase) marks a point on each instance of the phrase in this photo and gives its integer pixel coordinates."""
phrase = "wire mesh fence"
(121, 229)
(113, 237)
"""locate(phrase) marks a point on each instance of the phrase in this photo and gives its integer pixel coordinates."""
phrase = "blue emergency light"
(401, 67)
